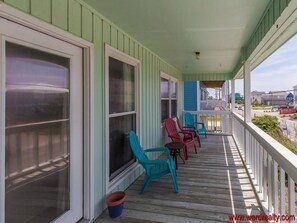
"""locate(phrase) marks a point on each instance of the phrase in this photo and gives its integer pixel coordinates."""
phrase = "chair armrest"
(173, 136)
(160, 149)
(152, 162)
(156, 149)
(188, 133)
(188, 128)
(201, 123)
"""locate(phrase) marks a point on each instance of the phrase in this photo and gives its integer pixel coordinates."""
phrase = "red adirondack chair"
(188, 129)
(187, 139)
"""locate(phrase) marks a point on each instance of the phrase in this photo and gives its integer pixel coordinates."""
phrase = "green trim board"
(79, 19)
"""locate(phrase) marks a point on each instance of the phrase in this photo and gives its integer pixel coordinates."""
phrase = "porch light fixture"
(197, 53)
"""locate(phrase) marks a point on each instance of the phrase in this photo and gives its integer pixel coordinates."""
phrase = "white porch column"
(198, 95)
(247, 110)
(226, 91)
(247, 91)
(232, 95)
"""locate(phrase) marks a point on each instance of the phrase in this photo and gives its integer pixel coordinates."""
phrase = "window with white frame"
(122, 95)
(168, 97)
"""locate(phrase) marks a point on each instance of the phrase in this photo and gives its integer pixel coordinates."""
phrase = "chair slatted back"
(136, 147)
(179, 123)
(189, 119)
(171, 129)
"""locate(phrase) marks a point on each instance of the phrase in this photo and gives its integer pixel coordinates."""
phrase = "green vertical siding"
(59, 17)
(74, 17)
(42, 10)
(24, 5)
(79, 19)
(87, 24)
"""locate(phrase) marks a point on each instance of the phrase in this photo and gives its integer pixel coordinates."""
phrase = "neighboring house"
(275, 98)
(256, 96)
(295, 95)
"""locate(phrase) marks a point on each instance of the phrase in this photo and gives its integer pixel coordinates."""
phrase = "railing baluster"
(253, 158)
(291, 194)
(275, 187)
(36, 148)
(246, 148)
(269, 183)
(265, 178)
(261, 161)
(257, 161)
(50, 144)
(19, 152)
(282, 192)
(62, 132)
(8, 152)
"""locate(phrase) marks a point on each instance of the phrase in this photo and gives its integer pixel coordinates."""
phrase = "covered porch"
(135, 57)
(214, 187)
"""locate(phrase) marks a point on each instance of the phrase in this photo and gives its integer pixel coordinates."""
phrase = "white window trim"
(17, 16)
(169, 78)
(119, 55)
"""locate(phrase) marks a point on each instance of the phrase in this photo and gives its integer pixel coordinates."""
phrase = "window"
(168, 97)
(122, 111)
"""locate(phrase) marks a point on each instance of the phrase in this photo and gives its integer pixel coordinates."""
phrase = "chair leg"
(195, 148)
(185, 152)
(198, 139)
(144, 184)
(174, 180)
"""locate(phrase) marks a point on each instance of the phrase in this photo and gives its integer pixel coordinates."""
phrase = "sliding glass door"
(42, 128)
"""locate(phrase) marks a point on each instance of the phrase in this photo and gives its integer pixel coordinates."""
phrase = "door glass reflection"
(37, 135)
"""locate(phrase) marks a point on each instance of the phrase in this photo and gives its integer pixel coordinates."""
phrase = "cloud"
(279, 71)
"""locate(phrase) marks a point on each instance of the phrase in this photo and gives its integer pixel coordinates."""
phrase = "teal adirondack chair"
(153, 168)
(200, 126)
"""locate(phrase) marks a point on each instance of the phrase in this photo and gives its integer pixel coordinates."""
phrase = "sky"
(277, 73)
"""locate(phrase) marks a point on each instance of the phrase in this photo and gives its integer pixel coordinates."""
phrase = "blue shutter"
(190, 95)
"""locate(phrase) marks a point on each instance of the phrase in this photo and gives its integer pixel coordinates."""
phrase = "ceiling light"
(197, 55)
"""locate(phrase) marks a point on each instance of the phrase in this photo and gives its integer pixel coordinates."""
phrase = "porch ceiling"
(175, 29)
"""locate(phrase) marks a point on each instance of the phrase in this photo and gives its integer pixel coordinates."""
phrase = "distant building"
(256, 96)
(295, 94)
(275, 98)
(237, 96)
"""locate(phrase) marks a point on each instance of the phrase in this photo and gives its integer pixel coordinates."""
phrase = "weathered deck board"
(213, 185)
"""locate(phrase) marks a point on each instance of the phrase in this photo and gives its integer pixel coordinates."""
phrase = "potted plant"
(115, 203)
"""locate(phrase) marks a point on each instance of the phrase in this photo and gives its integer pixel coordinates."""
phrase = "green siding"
(81, 20)
(87, 24)
(23, 5)
(74, 17)
(120, 41)
(59, 17)
(114, 37)
(41, 10)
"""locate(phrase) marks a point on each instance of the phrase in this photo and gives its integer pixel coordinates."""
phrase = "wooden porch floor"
(213, 185)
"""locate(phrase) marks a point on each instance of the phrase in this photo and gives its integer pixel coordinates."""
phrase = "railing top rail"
(212, 112)
(37, 124)
(283, 156)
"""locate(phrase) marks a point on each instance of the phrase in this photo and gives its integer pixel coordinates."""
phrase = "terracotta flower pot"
(115, 203)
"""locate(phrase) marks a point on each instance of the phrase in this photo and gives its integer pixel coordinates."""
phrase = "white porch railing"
(33, 148)
(212, 104)
(216, 122)
(268, 162)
